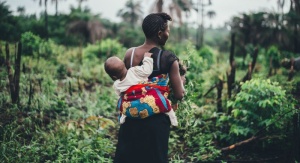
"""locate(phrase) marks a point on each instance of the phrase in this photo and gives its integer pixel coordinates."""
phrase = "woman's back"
(162, 60)
(146, 140)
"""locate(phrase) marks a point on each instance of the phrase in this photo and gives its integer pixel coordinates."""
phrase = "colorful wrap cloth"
(143, 100)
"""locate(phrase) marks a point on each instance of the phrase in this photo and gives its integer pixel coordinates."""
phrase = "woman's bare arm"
(176, 82)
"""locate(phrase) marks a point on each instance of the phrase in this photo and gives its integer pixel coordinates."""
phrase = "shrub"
(274, 55)
(207, 55)
(261, 104)
(105, 48)
(30, 43)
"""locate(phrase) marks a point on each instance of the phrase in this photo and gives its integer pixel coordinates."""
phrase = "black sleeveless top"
(162, 61)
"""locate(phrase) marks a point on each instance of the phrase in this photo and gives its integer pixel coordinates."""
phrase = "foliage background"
(65, 110)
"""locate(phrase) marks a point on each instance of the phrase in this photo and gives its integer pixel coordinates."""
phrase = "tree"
(56, 6)
(266, 29)
(46, 16)
(132, 12)
(91, 31)
(200, 11)
(83, 24)
(80, 2)
(8, 24)
(176, 9)
(21, 10)
(211, 14)
(159, 5)
(294, 13)
(182, 6)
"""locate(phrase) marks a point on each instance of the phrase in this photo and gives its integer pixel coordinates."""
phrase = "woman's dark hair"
(155, 22)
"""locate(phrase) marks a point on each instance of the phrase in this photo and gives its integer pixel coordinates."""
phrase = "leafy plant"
(274, 56)
(105, 48)
(31, 43)
(261, 104)
(207, 55)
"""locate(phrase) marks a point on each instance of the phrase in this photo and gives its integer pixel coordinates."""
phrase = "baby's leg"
(122, 118)
(172, 117)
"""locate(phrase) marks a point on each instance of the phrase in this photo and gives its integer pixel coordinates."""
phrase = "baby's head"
(114, 67)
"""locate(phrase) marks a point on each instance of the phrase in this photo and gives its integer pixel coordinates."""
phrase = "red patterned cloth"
(143, 100)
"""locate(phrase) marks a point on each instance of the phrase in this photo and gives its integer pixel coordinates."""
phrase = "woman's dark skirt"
(143, 140)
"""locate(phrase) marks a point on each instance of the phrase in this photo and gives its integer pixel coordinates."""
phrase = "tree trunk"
(14, 80)
(46, 20)
(291, 71)
(248, 76)
(296, 46)
(219, 97)
(296, 123)
(17, 72)
(231, 75)
(9, 73)
(56, 7)
(271, 67)
(159, 5)
(31, 91)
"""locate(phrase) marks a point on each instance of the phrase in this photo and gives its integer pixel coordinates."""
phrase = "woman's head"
(155, 27)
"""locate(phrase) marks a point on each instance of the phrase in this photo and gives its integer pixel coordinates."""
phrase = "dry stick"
(0, 49)
(231, 75)
(219, 96)
(79, 85)
(296, 135)
(271, 67)
(239, 144)
(291, 72)
(70, 88)
(30, 91)
(40, 83)
(17, 72)
(248, 76)
(210, 89)
(10, 76)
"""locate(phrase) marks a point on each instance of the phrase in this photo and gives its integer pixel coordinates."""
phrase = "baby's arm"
(146, 69)
(118, 92)
(147, 54)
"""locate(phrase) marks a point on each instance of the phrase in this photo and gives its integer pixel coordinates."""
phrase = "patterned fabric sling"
(143, 100)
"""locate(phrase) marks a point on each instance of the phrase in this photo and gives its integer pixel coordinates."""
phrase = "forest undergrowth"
(57, 105)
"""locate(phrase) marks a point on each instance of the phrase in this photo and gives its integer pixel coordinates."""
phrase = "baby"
(125, 78)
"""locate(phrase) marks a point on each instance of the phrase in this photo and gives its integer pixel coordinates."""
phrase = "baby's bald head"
(113, 67)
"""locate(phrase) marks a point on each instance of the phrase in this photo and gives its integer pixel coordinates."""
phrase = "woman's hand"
(175, 106)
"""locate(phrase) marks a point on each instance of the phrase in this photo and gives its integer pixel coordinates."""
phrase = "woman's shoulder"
(169, 55)
(129, 51)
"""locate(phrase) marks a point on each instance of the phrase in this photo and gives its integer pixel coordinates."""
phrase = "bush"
(80, 140)
(31, 43)
(261, 104)
(105, 48)
(273, 54)
(207, 55)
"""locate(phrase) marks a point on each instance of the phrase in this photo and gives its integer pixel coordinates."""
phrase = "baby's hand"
(147, 54)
